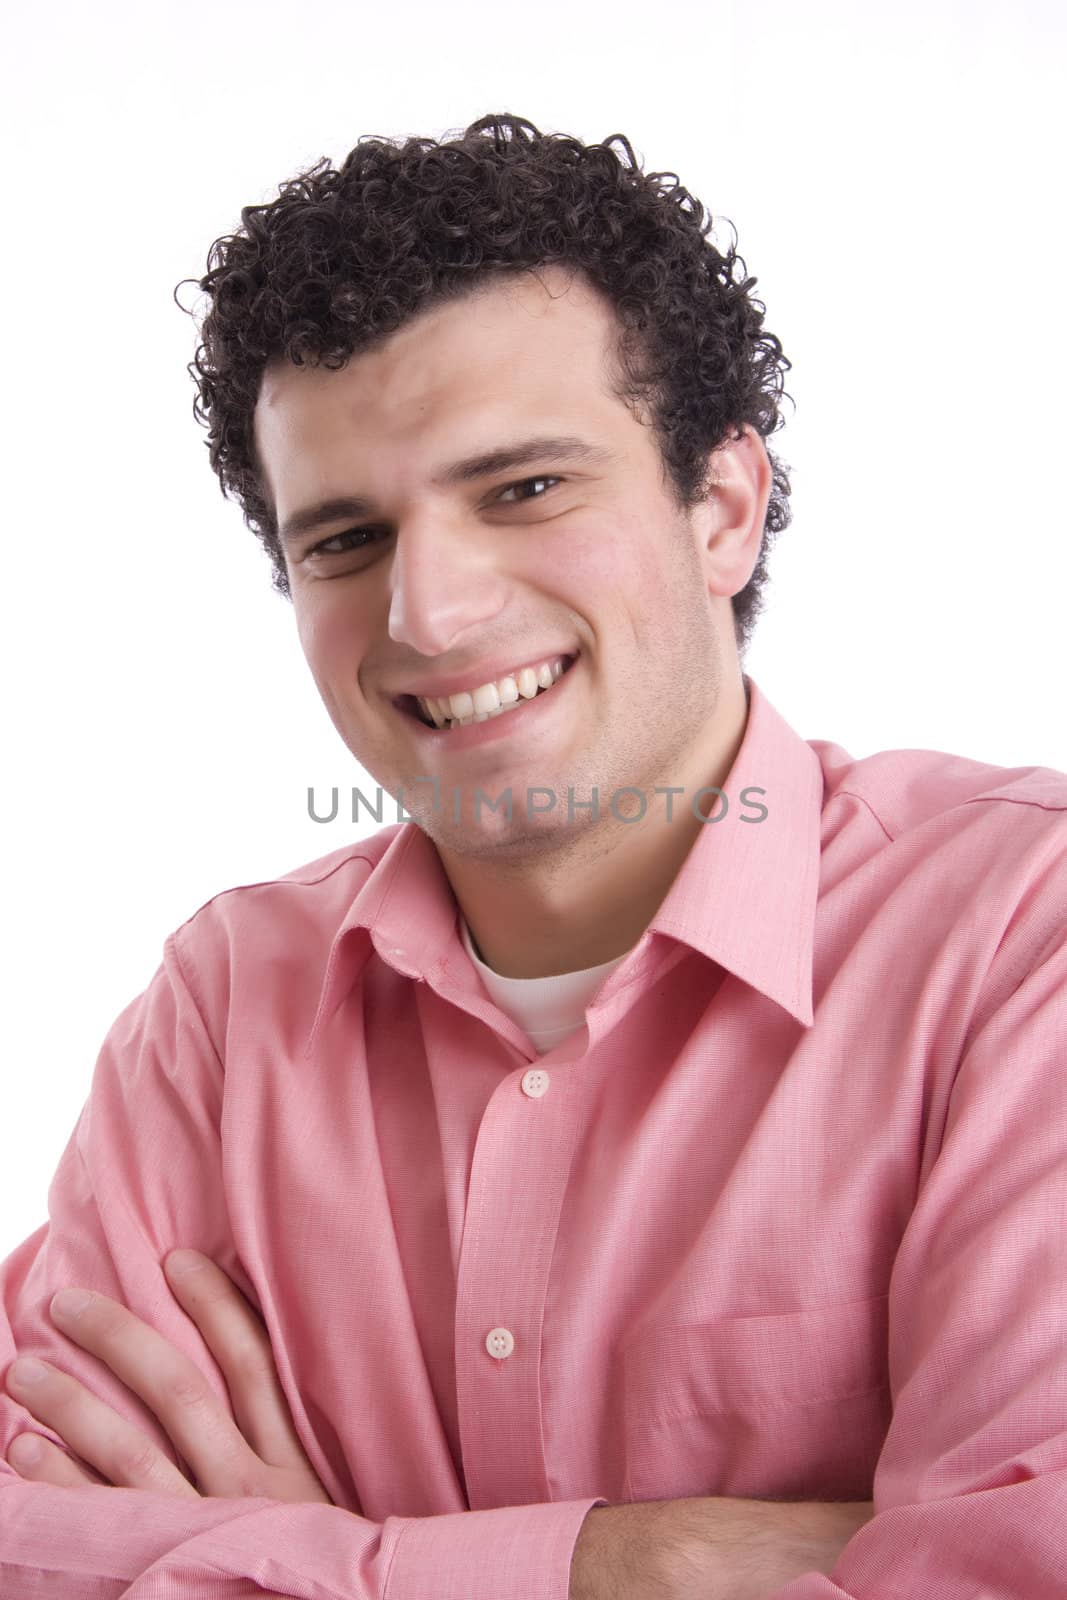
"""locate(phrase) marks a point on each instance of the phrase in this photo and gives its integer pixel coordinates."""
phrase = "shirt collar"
(745, 895)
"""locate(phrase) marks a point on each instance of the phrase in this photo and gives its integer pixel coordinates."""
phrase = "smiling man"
(524, 653)
(642, 1170)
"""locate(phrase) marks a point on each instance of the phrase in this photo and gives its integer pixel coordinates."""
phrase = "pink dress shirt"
(786, 1217)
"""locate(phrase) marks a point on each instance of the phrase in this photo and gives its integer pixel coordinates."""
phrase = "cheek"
(334, 647)
(600, 567)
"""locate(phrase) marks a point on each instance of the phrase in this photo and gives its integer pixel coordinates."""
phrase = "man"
(648, 1163)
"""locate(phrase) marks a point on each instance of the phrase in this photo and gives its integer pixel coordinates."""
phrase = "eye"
(362, 536)
(526, 484)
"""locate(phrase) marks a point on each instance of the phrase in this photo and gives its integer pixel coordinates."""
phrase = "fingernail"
(25, 1451)
(181, 1262)
(26, 1371)
(70, 1302)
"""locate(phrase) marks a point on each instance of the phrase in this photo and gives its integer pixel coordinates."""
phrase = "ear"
(729, 523)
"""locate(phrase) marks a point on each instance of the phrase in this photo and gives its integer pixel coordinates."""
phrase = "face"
(454, 571)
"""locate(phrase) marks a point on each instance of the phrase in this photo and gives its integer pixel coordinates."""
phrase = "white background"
(895, 178)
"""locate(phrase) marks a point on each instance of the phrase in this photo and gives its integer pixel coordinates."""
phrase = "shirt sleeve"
(142, 1173)
(970, 1491)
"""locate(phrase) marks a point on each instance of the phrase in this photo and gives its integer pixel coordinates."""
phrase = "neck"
(589, 895)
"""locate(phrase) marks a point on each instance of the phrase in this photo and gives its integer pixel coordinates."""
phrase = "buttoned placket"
(519, 1175)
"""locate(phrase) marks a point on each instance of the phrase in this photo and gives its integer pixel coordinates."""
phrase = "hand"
(260, 1456)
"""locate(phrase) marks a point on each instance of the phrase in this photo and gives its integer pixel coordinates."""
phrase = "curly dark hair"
(342, 258)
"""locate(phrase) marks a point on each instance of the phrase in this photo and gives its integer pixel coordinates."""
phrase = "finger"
(170, 1384)
(38, 1460)
(119, 1452)
(237, 1338)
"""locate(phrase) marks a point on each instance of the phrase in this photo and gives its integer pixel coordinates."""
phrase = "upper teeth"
(490, 699)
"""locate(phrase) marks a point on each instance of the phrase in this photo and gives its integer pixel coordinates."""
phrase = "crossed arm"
(714, 1548)
(973, 1472)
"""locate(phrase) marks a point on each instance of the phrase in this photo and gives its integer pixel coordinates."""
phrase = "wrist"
(731, 1549)
(708, 1548)
(620, 1552)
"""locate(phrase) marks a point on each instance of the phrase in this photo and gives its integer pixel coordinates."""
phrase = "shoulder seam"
(283, 880)
(1015, 800)
(863, 800)
(971, 799)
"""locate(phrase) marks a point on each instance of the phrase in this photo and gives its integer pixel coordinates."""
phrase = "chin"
(498, 840)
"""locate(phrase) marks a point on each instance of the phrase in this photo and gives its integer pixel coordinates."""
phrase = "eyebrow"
(519, 453)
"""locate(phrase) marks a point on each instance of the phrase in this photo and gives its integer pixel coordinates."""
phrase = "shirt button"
(535, 1083)
(500, 1343)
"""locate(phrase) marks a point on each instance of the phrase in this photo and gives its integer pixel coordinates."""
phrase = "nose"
(442, 585)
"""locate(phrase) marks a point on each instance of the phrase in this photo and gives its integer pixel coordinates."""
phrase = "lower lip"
(524, 720)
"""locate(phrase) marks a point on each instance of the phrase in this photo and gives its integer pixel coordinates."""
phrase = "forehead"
(535, 344)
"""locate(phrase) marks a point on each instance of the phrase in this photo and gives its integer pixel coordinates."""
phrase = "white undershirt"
(547, 1009)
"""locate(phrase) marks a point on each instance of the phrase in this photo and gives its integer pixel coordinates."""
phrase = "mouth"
(514, 695)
